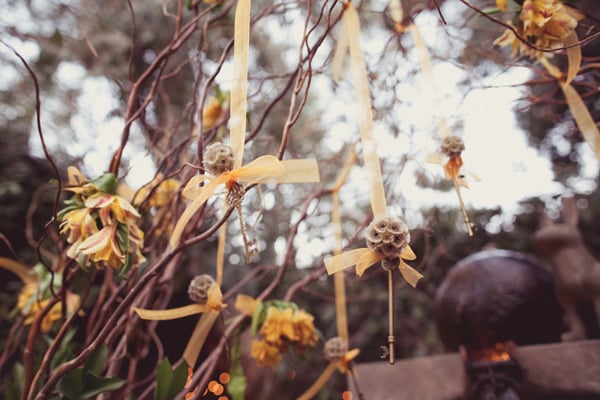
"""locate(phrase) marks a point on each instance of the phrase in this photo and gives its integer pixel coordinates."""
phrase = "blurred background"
(520, 139)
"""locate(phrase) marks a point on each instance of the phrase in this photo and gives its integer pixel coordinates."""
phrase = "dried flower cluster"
(284, 326)
(545, 24)
(388, 236)
(101, 226)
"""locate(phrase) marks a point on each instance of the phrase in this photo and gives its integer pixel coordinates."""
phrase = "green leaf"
(491, 10)
(64, 351)
(97, 360)
(86, 382)
(95, 384)
(257, 316)
(106, 183)
(123, 239)
(169, 381)
(71, 384)
(237, 379)
(282, 304)
(13, 386)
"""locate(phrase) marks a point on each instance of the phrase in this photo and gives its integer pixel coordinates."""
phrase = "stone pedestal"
(557, 371)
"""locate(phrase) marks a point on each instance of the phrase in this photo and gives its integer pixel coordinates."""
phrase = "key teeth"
(252, 249)
(385, 352)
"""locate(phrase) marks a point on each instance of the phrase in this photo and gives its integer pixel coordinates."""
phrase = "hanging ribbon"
(581, 114)
(452, 166)
(351, 23)
(339, 286)
(25, 274)
(342, 365)
(336, 220)
(427, 71)
(210, 312)
(264, 169)
(239, 91)
(364, 259)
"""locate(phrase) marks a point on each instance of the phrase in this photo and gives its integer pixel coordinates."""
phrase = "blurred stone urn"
(489, 303)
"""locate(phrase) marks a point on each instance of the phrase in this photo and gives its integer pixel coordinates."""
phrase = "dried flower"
(546, 24)
(279, 325)
(213, 111)
(36, 294)
(387, 236)
(334, 349)
(32, 300)
(305, 329)
(218, 158)
(265, 354)
(101, 225)
(198, 288)
(451, 150)
(159, 193)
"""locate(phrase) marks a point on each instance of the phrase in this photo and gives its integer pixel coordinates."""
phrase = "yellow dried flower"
(279, 324)
(544, 23)
(161, 192)
(213, 111)
(30, 304)
(265, 354)
(101, 225)
(305, 329)
(103, 248)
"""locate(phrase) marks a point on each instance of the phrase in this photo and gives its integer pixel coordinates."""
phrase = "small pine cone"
(218, 158)
(198, 288)
(334, 349)
(452, 146)
(387, 236)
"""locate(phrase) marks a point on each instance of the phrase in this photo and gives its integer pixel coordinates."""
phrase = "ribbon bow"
(342, 364)
(209, 310)
(264, 169)
(365, 258)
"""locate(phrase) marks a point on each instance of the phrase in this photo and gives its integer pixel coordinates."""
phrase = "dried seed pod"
(452, 146)
(198, 288)
(388, 236)
(334, 349)
(390, 263)
(218, 158)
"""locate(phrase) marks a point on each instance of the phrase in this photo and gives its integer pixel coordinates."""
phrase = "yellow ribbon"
(365, 113)
(210, 312)
(364, 258)
(20, 270)
(425, 61)
(573, 56)
(581, 115)
(264, 169)
(241, 45)
(338, 281)
(342, 365)
(336, 220)
(339, 55)
(221, 251)
(246, 304)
